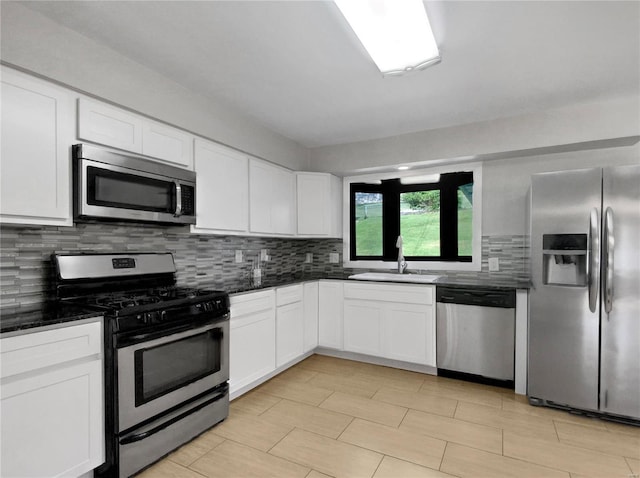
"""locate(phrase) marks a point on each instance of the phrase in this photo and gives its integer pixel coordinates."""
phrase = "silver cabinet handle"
(608, 260)
(178, 211)
(593, 260)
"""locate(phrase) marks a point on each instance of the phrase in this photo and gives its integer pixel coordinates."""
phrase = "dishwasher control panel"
(474, 296)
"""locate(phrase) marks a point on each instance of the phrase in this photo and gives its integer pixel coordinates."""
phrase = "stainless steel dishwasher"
(475, 331)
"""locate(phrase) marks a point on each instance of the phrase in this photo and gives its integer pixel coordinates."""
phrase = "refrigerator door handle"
(593, 260)
(608, 261)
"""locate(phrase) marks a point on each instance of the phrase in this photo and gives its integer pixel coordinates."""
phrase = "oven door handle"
(146, 434)
(127, 341)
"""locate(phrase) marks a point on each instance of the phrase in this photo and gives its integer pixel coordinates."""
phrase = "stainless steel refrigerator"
(584, 322)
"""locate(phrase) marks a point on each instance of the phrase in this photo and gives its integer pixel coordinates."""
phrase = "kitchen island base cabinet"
(52, 402)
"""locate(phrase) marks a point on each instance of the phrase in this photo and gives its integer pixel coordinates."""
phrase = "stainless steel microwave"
(113, 186)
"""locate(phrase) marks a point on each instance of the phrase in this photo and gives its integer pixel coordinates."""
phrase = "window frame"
(375, 182)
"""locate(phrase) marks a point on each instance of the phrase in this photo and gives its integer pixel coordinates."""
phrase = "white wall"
(32, 42)
(506, 183)
(586, 122)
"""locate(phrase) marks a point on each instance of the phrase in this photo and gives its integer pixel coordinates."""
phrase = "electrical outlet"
(264, 255)
(309, 258)
(494, 264)
(257, 277)
(239, 255)
(334, 257)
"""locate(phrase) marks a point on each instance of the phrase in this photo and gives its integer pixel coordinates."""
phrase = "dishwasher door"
(476, 332)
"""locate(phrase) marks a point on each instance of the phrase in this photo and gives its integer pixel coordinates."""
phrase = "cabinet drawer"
(289, 294)
(245, 304)
(33, 351)
(406, 293)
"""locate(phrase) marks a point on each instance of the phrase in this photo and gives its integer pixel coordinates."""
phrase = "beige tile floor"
(333, 417)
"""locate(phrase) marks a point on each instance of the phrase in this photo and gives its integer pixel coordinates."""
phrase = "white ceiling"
(296, 67)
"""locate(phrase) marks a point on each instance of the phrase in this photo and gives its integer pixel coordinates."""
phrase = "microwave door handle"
(178, 211)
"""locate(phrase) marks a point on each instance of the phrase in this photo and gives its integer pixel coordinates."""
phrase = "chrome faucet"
(402, 264)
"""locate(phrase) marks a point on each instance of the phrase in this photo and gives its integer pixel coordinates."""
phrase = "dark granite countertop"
(479, 281)
(290, 279)
(49, 313)
(484, 282)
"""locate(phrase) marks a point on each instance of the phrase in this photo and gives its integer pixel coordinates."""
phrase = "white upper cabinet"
(169, 144)
(104, 124)
(272, 198)
(319, 201)
(111, 126)
(35, 159)
(222, 198)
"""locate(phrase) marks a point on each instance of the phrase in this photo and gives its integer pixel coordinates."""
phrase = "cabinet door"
(222, 202)
(310, 306)
(284, 203)
(406, 332)
(52, 423)
(289, 333)
(271, 198)
(252, 348)
(261, 179)
(167, 143)
(330, 310)
(313, 193)
(104, 124)
(35, 156)
(362, 327)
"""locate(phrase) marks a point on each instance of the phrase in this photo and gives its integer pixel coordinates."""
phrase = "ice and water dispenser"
(564, 259)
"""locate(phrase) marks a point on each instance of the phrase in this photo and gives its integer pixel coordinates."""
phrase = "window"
(434, 219)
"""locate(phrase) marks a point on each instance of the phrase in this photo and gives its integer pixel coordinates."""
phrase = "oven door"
(159, 374)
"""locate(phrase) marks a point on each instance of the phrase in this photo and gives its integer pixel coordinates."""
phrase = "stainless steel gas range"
(166, 353)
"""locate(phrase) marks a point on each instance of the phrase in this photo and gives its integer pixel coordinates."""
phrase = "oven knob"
(163, 315)
(141, 318)
(151, 317)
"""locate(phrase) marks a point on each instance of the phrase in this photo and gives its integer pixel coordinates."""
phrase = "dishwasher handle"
(502, 298)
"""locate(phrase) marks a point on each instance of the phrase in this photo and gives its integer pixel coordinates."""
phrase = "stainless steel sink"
(395, 277)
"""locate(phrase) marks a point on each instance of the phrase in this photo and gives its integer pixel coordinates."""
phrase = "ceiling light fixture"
(396, 33)
(403, 168)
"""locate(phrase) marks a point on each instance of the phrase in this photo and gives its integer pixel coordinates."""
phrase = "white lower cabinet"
(330, 314)
(362, 327)
(390, 321)
(253, 338)
(52, 402)
(408, 333)
(310, 314)
(289, 324)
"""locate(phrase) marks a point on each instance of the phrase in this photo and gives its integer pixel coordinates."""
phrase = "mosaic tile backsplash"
(26, 271)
